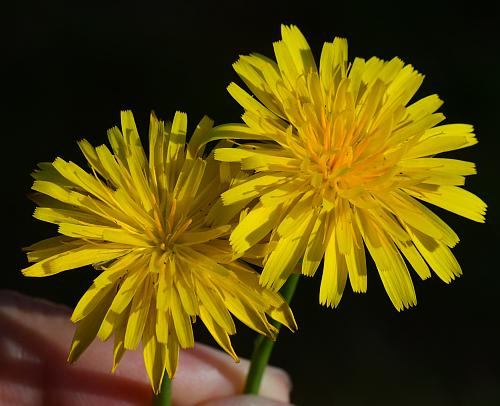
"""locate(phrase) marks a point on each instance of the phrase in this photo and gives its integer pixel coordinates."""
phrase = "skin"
(34, 339)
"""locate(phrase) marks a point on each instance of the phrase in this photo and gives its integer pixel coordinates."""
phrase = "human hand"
(34, 339)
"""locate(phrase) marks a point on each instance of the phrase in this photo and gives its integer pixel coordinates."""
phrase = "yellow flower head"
(154, 227)
(341, 159)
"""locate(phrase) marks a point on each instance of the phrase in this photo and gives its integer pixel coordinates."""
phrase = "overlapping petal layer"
(341, 157)
(154, 227)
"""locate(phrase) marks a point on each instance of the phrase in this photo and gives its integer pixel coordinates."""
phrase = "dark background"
(72, 67)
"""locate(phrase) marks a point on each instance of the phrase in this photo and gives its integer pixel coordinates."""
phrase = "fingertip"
(206, 373)
(276, 384)
(244, 400)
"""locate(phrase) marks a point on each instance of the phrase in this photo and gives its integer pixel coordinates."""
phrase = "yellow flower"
(341, 159)
(153, 225)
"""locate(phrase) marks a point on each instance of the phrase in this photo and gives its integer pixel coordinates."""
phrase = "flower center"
(170, 239)
(327, 165)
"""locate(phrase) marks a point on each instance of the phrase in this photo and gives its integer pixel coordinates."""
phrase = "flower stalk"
(164, 397)
(263, 346)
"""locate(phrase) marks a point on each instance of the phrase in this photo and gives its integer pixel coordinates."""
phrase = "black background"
(72, 67)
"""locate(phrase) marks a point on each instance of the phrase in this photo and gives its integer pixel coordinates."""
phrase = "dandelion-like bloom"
(341, 160)
(155, 229)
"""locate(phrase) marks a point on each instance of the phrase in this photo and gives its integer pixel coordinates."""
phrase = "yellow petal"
(117, 268)
(437, 255)
(90, 299)
(113, 323)
(270, 73)
(443, 138)
(356, 265)
(233, 131)
(391, 266)
(248, 102)
(439, 171)
(389, 223)
(410, 211)
(403, 84)
(51, 246)
(414, 258)
(249, 315)
(218, 333)
(219, 214)
(132, 139)
(87, 328)
(139, 174)
(60, 215)
(299, 49)
(138, 314)
(153, 351)
(185, 287)
(398, 284)
(254, 186)
(356, 261)
(254, 227)
(213, 304)
(172, 353)
(198, 237)
(129, 287)
(103, 233)
(158, 144)
(423, 108)
(334, 273)
(163, 323)
(75, 258)
(315, 246)
(92, 158)
(135, 216)
(118, 346)
(232, 154)
(176, 146)
(284, 315)
(196, 144)
(188, 182)
(285, 62)
(333, 63)
(79, 177)
(118, 145)
(288, 251)
(250, 70)
(268, 161)
(58, 192)
(452, 198)
(181, 321)
(296, 215)
(165, 279)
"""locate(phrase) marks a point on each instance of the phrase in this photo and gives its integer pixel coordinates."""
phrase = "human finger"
(33, 348)
(244, 400)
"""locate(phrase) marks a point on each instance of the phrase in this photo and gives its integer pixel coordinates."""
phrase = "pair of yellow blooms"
(327, 162)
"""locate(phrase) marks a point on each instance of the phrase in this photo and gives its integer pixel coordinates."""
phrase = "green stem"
(164, 397)
(264, 346)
